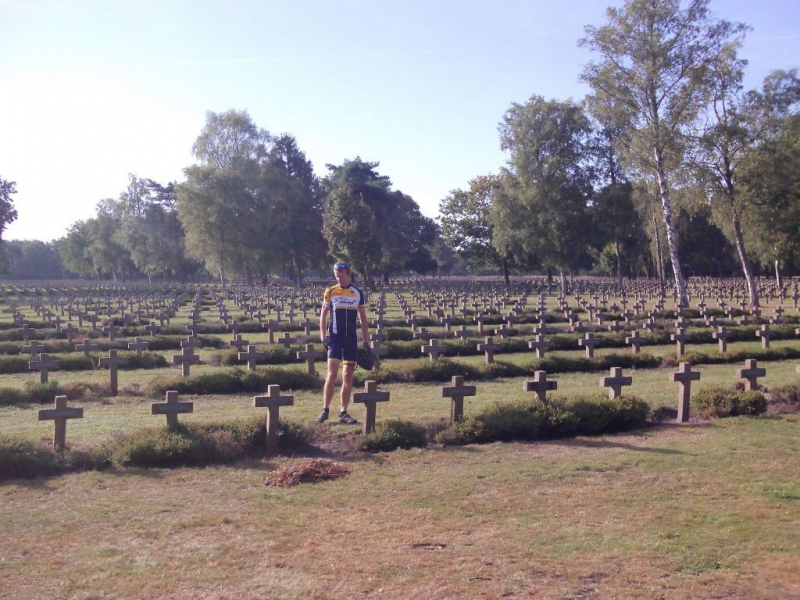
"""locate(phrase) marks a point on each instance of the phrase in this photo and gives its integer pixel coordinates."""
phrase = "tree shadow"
(598, 443)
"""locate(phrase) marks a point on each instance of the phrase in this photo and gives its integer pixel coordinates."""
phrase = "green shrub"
(273, 355)
(716, 401)
(392, 434)
(173, 448)
(146, 360)
(13, 364)
(43, 393)
(21, 459)
(418, 371)
(234, 381)
(559, 417)
(10, 396)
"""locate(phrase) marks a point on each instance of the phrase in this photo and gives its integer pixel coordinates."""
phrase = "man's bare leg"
(347, 385)
(330, 381)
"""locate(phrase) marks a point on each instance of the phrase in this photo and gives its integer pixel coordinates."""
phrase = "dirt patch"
(781, 405)
(310, 471)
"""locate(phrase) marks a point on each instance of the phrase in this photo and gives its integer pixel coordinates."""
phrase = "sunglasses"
(341, 267)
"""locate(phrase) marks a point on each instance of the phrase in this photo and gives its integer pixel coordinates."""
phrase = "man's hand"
(366, 345)
(326, 342)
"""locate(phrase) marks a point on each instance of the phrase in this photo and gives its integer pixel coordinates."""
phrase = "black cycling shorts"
(343, 348)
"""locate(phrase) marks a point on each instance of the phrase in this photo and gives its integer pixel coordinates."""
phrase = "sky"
(91, 91)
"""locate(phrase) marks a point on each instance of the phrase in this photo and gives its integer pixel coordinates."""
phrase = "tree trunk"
(748, 271)
(549, 275)
(386, 277)
(778, 278)
(368, 279)
(680, 285)
(659, 255)
(222, 276)
(563, 277)
(506, 276)
(620, 286)
(149, 279)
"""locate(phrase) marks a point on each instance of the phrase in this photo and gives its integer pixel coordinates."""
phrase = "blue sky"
(92, 91)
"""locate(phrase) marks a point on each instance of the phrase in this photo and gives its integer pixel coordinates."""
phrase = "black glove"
(326, 342)
(366, 345)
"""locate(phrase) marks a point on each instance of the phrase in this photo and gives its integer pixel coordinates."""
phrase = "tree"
(33, 259)
(230, 139)
(106, 254)
(724, 143)
(654, 69)
(300, 207)
(73, 249)
(219, 206)
(8, 214)
(465, 218)
(543, 211)
(373, 227)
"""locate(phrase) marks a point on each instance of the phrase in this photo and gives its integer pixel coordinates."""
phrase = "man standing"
(339, 333)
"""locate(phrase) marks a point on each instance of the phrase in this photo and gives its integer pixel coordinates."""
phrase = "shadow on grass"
(594, 443)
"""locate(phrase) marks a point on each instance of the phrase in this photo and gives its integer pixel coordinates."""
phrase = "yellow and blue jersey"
(344, 303)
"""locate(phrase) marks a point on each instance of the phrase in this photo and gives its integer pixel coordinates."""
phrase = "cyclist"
(339, 333)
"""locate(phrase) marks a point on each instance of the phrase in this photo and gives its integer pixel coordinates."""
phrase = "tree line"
(669, 165)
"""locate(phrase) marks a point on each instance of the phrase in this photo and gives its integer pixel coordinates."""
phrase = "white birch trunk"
(680, 285)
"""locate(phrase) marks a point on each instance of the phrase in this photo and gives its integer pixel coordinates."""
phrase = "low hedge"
(234, 381)
(276, 354)
(393, 434)
(716, 401)
(589, 414)
(716, 358)
(443, 369)
(187, 445)
(32, 392)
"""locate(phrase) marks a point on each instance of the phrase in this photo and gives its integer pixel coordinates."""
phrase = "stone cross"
(238, 343)
(540, 385)
(152, 329)
(112, 361)
(110, 331)
(251, 356)
(60, 414)
(540, 345)
(185, 359)
(488, 348)
(684, 377)
(171, 408)
(636, 341)
(70, 331)
(680, 337)
(751, 373)
(588, 342)
(138, 345)
(287, 340)
(33, 347)
(86, 347)
(311, 356)
(615, 382)
(457, 391)
(433, 349)
(44, 365)
(722, 336)
(369, 399)
(272, 402)
(764, 333)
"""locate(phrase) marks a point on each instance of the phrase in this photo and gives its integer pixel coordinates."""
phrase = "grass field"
(710, 509)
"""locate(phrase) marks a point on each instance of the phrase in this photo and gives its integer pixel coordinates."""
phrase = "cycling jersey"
(344, 303)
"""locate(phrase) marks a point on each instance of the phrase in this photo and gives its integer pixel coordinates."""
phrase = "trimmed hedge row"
(589, 414)
(187, 445)
(716, 401)
(443, 369)
(79, 362)
(234, 381)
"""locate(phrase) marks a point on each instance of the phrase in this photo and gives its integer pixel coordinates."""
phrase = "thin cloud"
(230, 61)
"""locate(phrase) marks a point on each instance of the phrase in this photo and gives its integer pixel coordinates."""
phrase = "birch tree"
(653, 67)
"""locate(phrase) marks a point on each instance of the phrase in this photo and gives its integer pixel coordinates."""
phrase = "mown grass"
(681, 512)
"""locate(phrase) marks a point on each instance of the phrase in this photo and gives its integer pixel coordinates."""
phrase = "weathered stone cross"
(540, 385)
(171, 408)
(112, 362)
(751, 373)
(456, 392)
(185, 359)
(615, 382)
(60, 414)
(684, 377)
(488, 348)
(272, 402)
(311, 356)
(369, 399)
(44, 365)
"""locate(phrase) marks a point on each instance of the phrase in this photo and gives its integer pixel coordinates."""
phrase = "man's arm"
(362, 316)
(323, 322)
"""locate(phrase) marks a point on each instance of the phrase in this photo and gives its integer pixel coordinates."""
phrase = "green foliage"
(146, 360)
(561, 417)
(10, 396)
(714, 401)
(438, 370)
(276, 354)
(21, 459)
(234, 381)
(392, 434)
